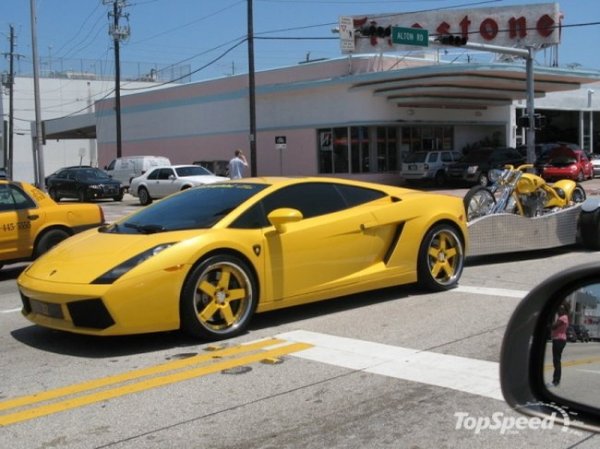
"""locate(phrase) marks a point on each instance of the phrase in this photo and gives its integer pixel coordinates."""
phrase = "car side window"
(165, 173)
(446, 157)
(111, 166)
(432, 157)
(12, 198)
(311, 199)
(355, 196)
(153, 174)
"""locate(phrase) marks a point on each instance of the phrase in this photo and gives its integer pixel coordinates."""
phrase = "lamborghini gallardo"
(206, 259)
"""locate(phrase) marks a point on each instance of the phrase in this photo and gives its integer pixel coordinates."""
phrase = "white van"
(126, 168)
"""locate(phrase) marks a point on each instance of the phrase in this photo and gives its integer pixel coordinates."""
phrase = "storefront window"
(360, 149)
(356, 150)
(417, 138)
(387, 159)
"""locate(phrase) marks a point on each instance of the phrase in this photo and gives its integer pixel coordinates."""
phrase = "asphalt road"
(396, 368)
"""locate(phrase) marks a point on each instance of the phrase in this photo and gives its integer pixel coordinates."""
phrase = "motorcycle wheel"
(478, 202)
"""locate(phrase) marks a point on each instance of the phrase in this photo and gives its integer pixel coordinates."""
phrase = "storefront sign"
(519, 26)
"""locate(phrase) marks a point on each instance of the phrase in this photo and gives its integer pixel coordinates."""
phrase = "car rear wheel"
(218, 299)
(48, 240)
(441, 258)
(144, 196)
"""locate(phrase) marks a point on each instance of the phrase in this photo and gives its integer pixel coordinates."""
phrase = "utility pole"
(252, 91)
(38, 155)
(118, 33)
(8, 80)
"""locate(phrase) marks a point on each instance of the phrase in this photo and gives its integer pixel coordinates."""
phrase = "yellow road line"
(135, 374)
(147, 384)
(575, 362)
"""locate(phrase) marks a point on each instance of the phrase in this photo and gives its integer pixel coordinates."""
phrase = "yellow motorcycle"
(517, 191)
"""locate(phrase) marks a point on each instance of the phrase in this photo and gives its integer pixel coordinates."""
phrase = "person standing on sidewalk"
(237, 165)
(559, 341)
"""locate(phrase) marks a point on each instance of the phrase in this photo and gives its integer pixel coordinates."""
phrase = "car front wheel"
(218, 299)
(441, 258)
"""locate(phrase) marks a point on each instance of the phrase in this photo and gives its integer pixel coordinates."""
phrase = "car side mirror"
(531, 351)
(281, 217)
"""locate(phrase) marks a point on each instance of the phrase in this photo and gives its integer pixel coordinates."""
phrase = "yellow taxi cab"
(31, 222)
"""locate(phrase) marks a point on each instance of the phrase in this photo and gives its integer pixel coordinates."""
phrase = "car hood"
(86, 256)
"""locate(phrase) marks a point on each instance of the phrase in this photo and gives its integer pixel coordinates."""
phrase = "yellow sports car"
(31, 222)
(206, 259)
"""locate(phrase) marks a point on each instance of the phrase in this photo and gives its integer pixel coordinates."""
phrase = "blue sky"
(208, 35)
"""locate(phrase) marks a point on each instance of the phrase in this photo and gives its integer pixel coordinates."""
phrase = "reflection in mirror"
(572, 358)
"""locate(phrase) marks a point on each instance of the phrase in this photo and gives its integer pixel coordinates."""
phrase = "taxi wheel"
(441, 258)
(49, 239)
(218, 299)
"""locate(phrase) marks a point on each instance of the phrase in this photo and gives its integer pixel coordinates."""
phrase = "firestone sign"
(520, 26)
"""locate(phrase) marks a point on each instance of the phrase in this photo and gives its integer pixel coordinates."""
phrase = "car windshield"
(92, 173)
(477, 156)
(419, 156)
(198, 208)
(192, 170)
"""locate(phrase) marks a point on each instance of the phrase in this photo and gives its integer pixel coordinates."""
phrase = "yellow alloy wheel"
(219, 298)
(441, 258)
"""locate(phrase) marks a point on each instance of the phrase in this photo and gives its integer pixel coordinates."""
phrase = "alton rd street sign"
(410, 36)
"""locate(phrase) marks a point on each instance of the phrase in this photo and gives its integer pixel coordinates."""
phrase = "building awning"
(468, 86)
(75, 127)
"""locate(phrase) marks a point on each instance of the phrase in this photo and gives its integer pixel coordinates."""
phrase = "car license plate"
(46, 308)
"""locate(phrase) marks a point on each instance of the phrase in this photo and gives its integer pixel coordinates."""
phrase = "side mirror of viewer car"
(526, 360)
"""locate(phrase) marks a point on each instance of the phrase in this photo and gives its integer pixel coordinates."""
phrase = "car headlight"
(472, 169)
(115, 273)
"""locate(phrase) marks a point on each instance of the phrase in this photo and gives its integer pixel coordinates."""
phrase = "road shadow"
(77, 345)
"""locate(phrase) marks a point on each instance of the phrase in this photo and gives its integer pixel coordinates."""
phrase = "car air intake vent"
(90, 313)
(26, 304)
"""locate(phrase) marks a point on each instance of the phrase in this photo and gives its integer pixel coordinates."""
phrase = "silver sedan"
(162, 181)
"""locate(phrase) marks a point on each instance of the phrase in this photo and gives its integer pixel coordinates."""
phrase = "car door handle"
(33, 217)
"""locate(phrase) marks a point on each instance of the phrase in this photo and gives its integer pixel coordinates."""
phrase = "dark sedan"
(83, 183)
(473, 167)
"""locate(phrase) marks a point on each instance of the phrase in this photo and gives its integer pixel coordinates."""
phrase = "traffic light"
(451, 39)
(539, 121)
(376, 31)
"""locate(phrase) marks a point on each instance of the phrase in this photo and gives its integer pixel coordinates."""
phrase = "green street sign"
(410, 36)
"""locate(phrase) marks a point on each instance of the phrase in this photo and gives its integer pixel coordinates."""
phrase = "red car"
(567, 163)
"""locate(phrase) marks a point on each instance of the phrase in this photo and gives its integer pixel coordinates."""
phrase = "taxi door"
(20, 219)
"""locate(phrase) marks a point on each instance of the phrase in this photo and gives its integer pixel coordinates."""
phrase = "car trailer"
(509, 233)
